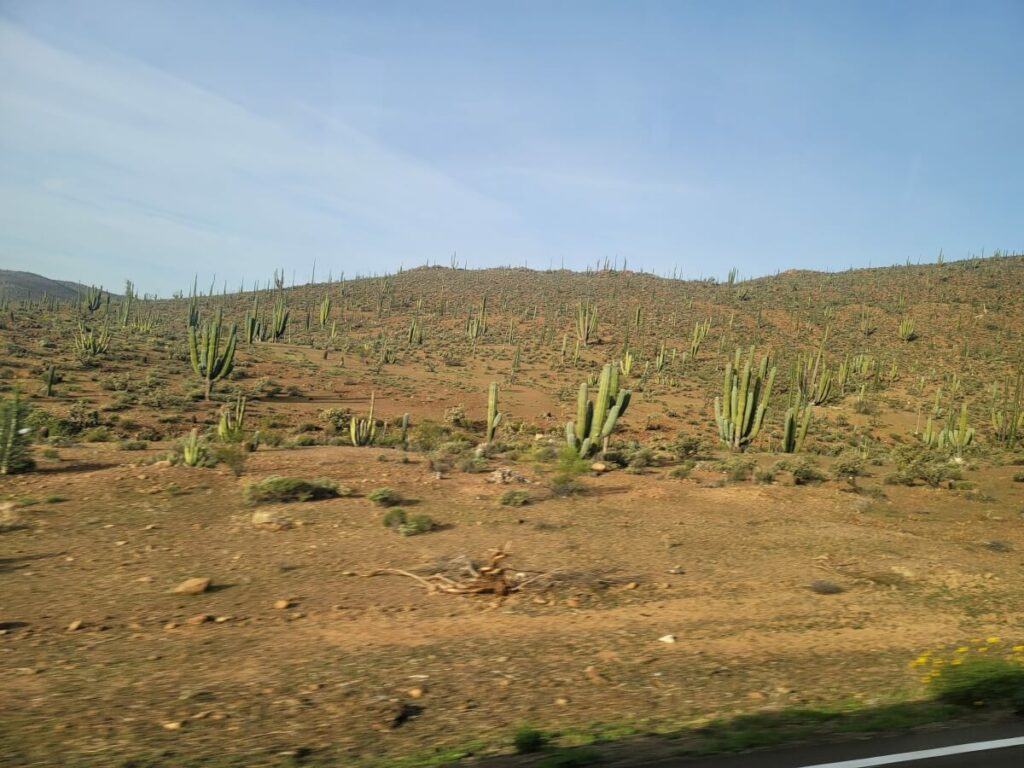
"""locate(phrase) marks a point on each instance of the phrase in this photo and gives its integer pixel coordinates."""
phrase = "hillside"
(28, 285)
(820, 564)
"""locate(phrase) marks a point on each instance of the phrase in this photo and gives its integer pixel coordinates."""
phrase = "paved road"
(913, 751)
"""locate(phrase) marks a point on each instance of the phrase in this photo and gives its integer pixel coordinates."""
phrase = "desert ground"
(167, 599)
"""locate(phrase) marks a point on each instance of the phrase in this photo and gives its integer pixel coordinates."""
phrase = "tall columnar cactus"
(232, 422)
(253, 324)
(90, 343)
(14, 443)
(812, 380)
(493, 416)
(1008, 412)
(794, 429)
(586, 321)
(700, 332)
(204, 351)
(126, 302)
(957, 437)
(93, 298)
(363, 431)
(626, 363)
(50, 379)
(596, 420)
(325, 309)
(740, 409)
(279, 319)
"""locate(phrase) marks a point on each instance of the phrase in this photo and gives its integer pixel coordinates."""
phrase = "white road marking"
(923, 754)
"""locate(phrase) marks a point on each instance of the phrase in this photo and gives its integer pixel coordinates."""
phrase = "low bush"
(285, 489)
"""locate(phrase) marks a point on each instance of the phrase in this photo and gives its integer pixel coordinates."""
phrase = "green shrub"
(284, 489)
(564, 484)
(528, 739)
(385, 497)
(683, 470)
(515, 498)
(133, 445)
(981, 681)
(737, 468)
(417, 524)
(394, 517)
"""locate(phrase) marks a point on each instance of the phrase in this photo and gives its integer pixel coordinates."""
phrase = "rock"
(667, 639)
(200, 618)
(75, 625)
(824, 587)
(271, 520)
(415, 693)
(173, 725)
(283, 604)
(504, 476)
(599, 467)
(194, 586)
(594, 676)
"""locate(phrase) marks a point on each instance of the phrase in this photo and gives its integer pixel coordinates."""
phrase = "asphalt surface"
(833, 755)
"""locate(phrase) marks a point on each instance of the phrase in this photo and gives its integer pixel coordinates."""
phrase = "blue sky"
(155, 140)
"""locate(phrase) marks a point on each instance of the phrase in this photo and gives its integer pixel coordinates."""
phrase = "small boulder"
(194, 586)
(271, 520)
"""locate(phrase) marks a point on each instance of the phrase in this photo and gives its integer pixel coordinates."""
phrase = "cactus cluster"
(596, 420)
(208, 361)
(740, 410)
(363, 432)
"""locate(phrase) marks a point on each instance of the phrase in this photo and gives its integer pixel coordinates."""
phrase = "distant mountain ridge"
(28, 285)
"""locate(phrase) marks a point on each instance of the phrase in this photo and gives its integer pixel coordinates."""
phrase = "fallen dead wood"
(490, 579)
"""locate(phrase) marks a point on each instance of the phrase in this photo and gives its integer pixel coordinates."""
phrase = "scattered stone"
(75, 625)
(283, 604)
(194, 586)
(824, 587)
(594, 676)
(199, 618)
(271, 520)
(416, 693)
(173, 725)
(677, 570)
(562, 701)
(667, 639)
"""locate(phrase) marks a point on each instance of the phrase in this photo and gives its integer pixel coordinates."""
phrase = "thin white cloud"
(106, 159)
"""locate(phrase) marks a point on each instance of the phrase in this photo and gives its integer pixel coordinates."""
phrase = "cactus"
(416, 332)
(93, 298)
(14, 443)
(208, 361)
(126, 303)
(253, 324)
(232, 420)
(700, 332)
(596, 420)
(812, 381)
(404, 425)
(740, 410)
(89, 343)
(586, 321)
(50, 379)
(626, 363)
(794, 429)
(660, 359)
(363, 431)
(193, 450)
(1008, 413)
(279, 319)
(325, 309)
(493, 416)
(958, 436)
(906, 329)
